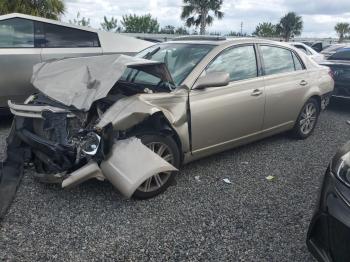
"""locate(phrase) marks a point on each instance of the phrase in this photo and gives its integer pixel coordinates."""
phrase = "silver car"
(27, 40)
(135, 120)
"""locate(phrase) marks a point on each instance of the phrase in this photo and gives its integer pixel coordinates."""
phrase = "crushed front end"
(81, 130)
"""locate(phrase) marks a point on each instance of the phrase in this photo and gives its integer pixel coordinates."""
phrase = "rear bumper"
(328, 237)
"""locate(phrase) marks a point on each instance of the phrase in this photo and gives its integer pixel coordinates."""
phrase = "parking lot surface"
(200, 218)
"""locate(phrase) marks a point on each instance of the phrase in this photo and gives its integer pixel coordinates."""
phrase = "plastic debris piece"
(245, 163)
(197, 178)
(270, 178)
(227, 181)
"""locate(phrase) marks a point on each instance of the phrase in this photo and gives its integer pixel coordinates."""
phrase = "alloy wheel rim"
(308, 119)
(157, 181)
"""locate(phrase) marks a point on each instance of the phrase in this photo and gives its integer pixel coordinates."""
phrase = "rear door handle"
(257, 92)
(303, 83)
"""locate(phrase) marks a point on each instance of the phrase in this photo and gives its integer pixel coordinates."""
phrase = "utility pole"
(241, 28)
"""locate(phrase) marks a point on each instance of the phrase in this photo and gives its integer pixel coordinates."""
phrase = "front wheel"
(307, 119)
(166, 147)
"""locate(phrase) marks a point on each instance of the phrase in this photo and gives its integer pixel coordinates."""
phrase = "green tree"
(79, 20)
(290, 25)
(110, 25)
(342, 29)
(233, 33)
(168, 29)
(51, 9)
(140, 24)
(181, 31)
(265, 30)
(198, 13)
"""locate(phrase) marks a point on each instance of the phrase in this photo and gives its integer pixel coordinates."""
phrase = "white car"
(28, 40)
(309, 51)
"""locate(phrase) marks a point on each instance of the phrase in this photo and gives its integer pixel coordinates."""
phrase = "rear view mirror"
(212, 79)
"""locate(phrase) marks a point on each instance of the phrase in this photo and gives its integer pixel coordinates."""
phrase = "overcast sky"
(319, 16)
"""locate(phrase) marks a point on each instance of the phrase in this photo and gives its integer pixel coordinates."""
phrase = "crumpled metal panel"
(129, 111)
(80, 81)
(130, 164)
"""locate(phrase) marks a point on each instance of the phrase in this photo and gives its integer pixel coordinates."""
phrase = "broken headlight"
(90, 144)
(341, 167)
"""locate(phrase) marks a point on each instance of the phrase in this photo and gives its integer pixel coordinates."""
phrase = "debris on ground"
(227, 181)
(197, 178)
(270, 178)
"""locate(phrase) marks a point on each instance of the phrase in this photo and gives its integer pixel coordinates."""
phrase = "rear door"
(59, 41)
(17, 57)
(286, 82)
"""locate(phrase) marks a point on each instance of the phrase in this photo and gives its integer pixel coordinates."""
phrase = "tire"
(160, 182)
(307, 119)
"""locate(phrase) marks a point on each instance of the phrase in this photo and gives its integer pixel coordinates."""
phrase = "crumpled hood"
(80, 81)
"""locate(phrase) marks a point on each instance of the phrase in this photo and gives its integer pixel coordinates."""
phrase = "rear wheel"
(166, 147)
(307, 119)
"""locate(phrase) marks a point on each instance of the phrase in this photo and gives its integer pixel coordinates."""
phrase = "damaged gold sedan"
(135, 120)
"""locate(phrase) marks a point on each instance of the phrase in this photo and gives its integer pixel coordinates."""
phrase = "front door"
(221, 116)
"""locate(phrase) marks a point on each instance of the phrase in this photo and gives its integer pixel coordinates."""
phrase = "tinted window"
(342, 55)
(16, 33)
(277, 60)
(239, 62)
(55, 36)
(297, 63)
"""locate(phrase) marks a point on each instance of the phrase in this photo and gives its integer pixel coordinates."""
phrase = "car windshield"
(180, 59)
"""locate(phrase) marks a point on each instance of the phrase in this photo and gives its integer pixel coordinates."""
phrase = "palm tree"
(197, 12)
(265, 30)
(290, 25)
(51, 9)
(342, 29)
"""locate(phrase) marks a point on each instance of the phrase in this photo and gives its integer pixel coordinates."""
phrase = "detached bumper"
(328, 237)
(35, 111)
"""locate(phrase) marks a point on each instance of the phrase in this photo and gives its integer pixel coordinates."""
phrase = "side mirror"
(212, 79)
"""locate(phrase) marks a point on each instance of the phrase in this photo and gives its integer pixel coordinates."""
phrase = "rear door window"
(277, 60)
(16, 33)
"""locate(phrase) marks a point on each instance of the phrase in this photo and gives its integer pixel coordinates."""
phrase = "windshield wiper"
(151, 53)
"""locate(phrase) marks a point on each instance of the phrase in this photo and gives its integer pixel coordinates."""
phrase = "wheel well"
(318, 99)
(157, 123)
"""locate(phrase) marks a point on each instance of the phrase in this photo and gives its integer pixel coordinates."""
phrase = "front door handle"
(257, 92)
(303, 83)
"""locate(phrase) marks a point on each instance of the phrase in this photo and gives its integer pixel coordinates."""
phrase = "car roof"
(45, 20)
(221, 41)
